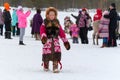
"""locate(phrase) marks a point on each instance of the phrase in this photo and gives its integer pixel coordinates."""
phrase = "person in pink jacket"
(104, 29)
(50, 32)
(22, 22)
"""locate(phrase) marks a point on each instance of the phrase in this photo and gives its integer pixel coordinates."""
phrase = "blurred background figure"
(15, 29)
(104, 29)
(37, 22)
(1, 22)
(96, 22)
(75, 33)
(112, 25)
(7, 20)
(67, 24)
(22, 22)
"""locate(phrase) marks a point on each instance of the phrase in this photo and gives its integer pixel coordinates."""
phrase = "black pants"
(83, 35)
(112, 38)
(18, 30)
(75, 40)
(13, 31)
(7, 30)
(1, 29)
(32, 30)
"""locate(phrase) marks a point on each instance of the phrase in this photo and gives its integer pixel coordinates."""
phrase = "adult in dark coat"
(112, 25)
(37, 22)
(7, 21)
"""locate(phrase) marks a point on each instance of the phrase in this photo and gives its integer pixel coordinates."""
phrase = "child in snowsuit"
(50, 31)
(75, 33)
(104, 29)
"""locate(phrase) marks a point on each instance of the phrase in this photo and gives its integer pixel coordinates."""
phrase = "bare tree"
(64, 4)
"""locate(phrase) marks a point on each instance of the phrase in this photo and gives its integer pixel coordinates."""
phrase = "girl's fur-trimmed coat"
(48, 47)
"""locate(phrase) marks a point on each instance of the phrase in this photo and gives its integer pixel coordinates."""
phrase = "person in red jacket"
(96, 22)
(98, 15)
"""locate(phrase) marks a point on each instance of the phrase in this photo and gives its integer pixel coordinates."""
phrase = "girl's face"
(51, 15)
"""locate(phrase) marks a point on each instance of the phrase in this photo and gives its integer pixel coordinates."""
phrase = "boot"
(114, 43)
(37, 36)
(21, 43)
(55, 67)
(104, 45)
(46, 66)
(9, 35)
(6, 35)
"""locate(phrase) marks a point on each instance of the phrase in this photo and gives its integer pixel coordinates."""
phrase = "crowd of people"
(14, 24)
(105, 26)
(78, 29)
(49, 30)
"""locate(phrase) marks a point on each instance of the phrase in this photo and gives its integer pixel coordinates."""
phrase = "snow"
(81, 62)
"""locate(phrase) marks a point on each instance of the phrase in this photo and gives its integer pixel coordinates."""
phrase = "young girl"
(75, 33)
(22, 22)
(103, 29)
(50, 32)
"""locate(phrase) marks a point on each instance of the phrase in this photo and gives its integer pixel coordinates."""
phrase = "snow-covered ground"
(81, 62)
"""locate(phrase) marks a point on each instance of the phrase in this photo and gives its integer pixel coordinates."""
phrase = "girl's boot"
(46, 66)
(55, 67)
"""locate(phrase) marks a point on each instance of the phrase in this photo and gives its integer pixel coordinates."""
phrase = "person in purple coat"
(37, 22)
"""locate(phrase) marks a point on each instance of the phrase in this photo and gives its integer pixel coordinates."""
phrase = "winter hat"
(80, 10)
(67, 18)
(113, 5)
(84, 9)
(19, 7)
(7, 6)
(51, 9)
(99, 11)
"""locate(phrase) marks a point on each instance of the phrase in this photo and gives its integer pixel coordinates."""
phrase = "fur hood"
(50, 23)
(51, 9)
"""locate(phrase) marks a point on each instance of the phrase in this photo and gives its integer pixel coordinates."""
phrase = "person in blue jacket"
(15, 28)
